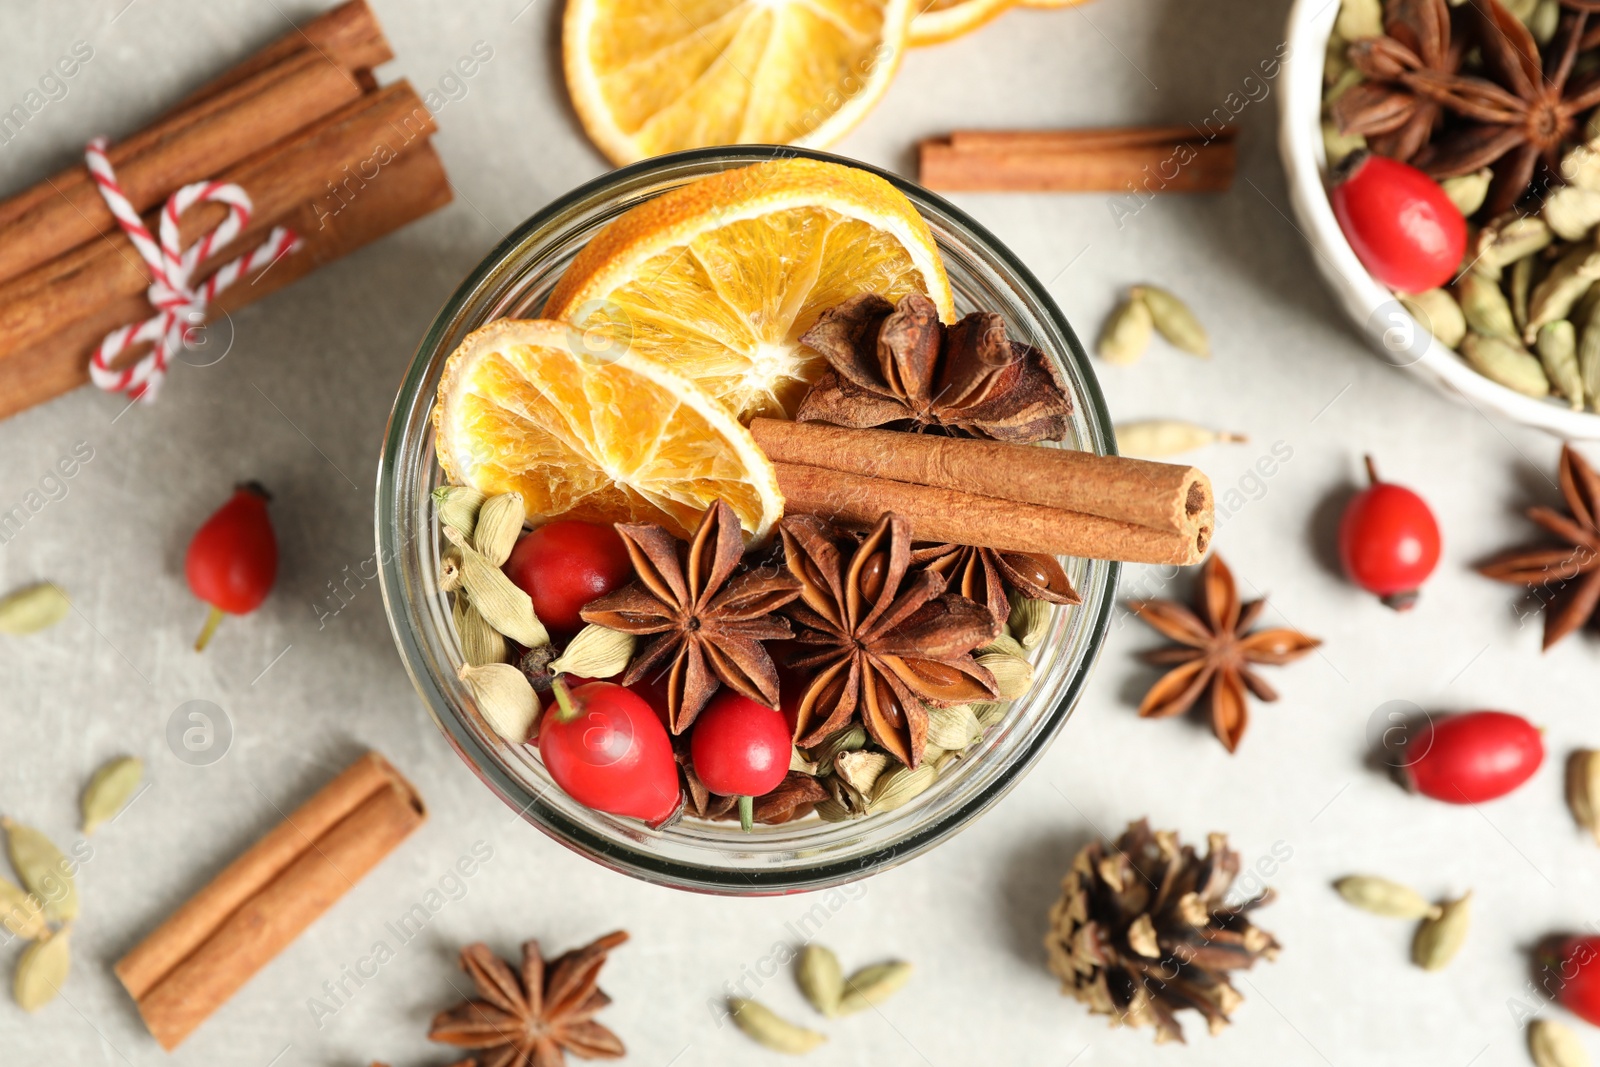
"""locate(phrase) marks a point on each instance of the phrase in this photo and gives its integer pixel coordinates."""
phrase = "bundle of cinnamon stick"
(302, 126)
(1015, 498)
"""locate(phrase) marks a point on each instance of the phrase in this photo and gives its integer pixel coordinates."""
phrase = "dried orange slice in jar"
(937, 21)
(718, 279)
(649, 77)
(537, 408)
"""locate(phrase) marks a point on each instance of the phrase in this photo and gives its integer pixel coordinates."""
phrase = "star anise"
(1569, 574)
(1214, 653)
(710, 621)
(533, 1018)
(984, 575)
(898, 366)
(887, 641)
(1395, 118)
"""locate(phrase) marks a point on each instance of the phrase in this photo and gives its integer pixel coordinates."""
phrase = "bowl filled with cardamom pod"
(749, 520)
(1444, 163)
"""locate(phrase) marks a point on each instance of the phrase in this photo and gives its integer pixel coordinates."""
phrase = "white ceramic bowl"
(1396, 337)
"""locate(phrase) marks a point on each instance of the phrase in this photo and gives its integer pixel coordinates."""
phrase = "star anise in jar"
(885, 640)
(1214, 654)
(709, 618)
(984, 575)
(533, 1016)
(1395, 118)
(1567, 574)
(898, 366)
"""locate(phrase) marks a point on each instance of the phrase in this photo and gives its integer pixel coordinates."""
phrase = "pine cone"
(1142, 930)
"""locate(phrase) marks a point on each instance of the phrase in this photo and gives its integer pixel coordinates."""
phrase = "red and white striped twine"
(180, 305)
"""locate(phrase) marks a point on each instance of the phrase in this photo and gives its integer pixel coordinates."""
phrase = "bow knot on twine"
(180, 303)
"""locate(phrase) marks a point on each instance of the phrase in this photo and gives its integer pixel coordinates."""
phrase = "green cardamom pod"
(1558, 353)
(1568, 280)
(831, 809)
(1552, 1045)
(1338, 146)
(450, 569)
(109, 791)
(1545, 21)
(990, 712)
(1380, 896)
(847, 740)
(1583, 789)
(504, 698)
(499, 525)
(597, 652)
(800, 765)
(765, 1027)
(1589, 350)
(1437, 312)
(871, 986)
(1004, 645)
(1155, 438)
(42, 970)
(1013, 674)
(1581, 167)
(1174, 321)
(1029, 619)
(1521, 287)
(820, 978)
(1505, 241)
(1469, 191)
(1127, 333)
(860, 769)
(33, 608)
(1360, 18)
(849, 797)
(1502, 361)
(43, 869)
(953, 728)
(481, 644)
(505, 607)
(1485, 307)
(1441, 937)
(897, 788)
(20, 911)
(1572, 211)
(457, 507)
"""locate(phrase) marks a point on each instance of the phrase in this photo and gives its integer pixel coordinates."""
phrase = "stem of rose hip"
(747, 813)
(213, 620)
(566, 710)
(1372, 470)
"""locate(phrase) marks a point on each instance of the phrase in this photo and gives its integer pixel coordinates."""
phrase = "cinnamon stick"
(1167, 497)
(937, 514)
(313, 164)
(412, 186)
(200, 141)
(1080, 161)
(201, 955)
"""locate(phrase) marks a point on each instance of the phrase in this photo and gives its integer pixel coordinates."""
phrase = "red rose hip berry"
(740, 749)
(606, 748)
(233, 558)
(1388, 541)
(1578, 967)
(565, 564)
(1400, 223)
(1473, 757)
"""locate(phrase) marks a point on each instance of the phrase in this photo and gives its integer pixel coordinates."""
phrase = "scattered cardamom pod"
(1360, 18)
(765, 1027)
(1485, 307)
(1127, 333)
(1469, 191)
(43, 969)
(1568, 280)
(871, 986)
(1572, 211)
(847, 740)
(597, 652)
(1558, 353)
(457, 507)
(860, 769)
(20, 911)
(109, 791)
(1437, 312)
(33, 608)
(1501, 361)
(899, 787)
(1583, 789)
(1440, 938)
(989, 713)
(1029, 619)
(1380, 896)
(43, 869)
(503, 605)
(1174, 321)
(499, 525)
(1154, 438)
(953, 728)
(504, 698)
(481, 644)
(1012, 674)
(1553, 1045)
(820, 978)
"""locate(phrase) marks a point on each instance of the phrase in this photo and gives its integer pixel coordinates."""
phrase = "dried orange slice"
(648, 77)
(719, 278)
(937, 21)
(531, 407)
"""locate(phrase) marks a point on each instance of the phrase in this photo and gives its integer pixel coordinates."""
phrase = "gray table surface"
(301, 401)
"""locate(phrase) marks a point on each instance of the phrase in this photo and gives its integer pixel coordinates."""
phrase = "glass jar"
(514, 281)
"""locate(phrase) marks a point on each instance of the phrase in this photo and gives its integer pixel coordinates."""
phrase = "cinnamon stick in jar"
(214, 944)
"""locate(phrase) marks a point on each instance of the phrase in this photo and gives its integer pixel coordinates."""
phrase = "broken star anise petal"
(984, 575)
